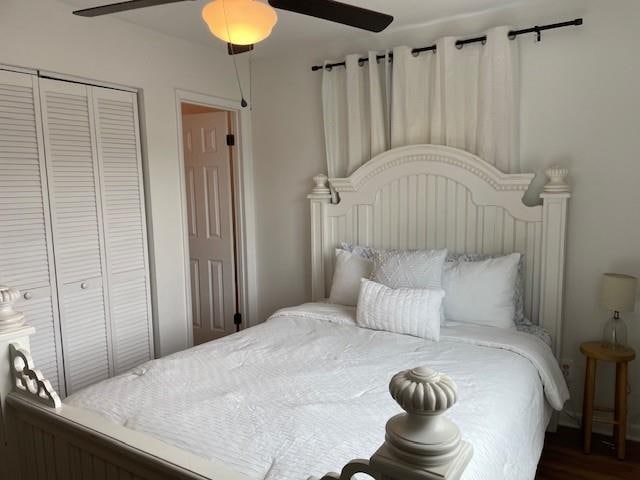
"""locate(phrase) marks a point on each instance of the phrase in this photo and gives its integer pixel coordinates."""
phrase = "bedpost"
(13, 331)
(420, 444)
(555, 198)
(320, 197)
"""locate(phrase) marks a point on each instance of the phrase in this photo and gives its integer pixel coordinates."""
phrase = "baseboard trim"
(568, 419)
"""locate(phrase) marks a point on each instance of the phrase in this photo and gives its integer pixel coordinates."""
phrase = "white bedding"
(306, 392)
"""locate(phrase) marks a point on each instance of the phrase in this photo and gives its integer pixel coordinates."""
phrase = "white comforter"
(306, 392)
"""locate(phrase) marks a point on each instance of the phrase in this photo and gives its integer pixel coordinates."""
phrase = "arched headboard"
(432, 196)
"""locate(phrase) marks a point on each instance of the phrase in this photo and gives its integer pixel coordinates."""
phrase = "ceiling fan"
(219, 13)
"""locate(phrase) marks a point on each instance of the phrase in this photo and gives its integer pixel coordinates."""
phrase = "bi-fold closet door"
(26, 246)
(77, 190)
(92, 150)
(78, 233)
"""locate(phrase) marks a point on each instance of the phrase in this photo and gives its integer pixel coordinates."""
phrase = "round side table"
(595, 351)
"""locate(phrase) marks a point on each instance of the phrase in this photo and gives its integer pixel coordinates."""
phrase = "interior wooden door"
(75, 197)
(209, 211)
(26, 256)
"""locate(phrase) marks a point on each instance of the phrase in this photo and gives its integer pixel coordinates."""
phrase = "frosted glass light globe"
(240, 22)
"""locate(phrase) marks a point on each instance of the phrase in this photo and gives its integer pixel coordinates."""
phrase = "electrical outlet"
(566, 365)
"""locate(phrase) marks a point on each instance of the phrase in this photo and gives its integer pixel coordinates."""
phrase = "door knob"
(27, 295)
(84, 285)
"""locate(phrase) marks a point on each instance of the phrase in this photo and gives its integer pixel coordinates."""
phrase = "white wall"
(580, 104)
(45, 35)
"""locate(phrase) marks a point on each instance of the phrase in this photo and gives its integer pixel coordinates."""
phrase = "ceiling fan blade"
(337, 12)
(122, 7)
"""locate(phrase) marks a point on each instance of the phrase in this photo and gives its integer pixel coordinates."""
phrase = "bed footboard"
(47, 445)
(68, 443)
(46, 439)
(420, 444)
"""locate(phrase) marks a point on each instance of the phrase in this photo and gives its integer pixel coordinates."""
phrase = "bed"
(307, 391)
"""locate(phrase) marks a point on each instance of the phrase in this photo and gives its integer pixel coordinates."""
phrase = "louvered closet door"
(74, 186)
(124, 224)
(26, 258)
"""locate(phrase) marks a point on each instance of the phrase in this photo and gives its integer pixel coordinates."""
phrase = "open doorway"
(209, 152)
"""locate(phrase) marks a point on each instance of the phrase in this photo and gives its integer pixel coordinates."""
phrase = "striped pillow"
(410, 311)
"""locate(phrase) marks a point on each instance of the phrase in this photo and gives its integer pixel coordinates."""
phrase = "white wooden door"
(119, 160)
(209, 211)
(75, 197)
(26, 257)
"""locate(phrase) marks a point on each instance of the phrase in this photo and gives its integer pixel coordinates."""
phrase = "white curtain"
(356, 112)
(466, 98)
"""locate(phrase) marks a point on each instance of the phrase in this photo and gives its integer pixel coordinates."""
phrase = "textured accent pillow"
(348, 271)
(410, 311)
(518, 299)
(408, 268)
(482, 292)
(365, 252)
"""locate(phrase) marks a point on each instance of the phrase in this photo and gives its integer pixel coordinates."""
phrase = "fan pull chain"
(243, 102)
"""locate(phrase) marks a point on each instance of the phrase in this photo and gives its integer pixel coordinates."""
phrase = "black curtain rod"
(538, 29)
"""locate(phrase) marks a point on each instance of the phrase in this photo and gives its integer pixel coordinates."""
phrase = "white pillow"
(348, 271)
(408, 268)
(410, 311)
(481, 292)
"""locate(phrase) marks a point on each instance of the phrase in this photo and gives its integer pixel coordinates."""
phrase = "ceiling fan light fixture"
(240, 22)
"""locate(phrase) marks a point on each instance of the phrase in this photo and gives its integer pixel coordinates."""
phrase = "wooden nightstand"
(594, 351)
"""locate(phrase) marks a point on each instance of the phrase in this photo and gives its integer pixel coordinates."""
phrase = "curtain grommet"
(415, 53)
(328, 68)
(459, 45)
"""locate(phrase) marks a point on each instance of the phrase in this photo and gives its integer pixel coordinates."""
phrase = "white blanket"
(306, 392)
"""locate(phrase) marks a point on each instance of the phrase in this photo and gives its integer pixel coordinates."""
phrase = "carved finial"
(9, 318)
(423, 391)
(423, 433)
(421, 444)
(557, 180)
(320, 181)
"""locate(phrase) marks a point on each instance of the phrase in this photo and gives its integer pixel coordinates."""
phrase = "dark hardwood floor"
(562, 458)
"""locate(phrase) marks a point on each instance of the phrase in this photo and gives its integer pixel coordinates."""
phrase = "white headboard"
(431, 196)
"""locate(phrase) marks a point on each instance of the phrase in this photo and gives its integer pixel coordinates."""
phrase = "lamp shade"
(618, 292)
(240, 22)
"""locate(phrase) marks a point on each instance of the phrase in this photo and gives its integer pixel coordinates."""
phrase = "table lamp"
(618, 294)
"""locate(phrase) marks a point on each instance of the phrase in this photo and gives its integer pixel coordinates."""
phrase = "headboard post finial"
(10, 319)
(557, 180)
(320, 181)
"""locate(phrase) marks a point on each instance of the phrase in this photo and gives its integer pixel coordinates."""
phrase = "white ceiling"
(183, 20)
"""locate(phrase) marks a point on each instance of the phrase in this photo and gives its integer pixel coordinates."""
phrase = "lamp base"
(614, 334)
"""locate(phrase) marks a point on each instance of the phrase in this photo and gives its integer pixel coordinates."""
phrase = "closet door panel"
(72, 178)
(26, 257)
(130, 309)
(86, 357)
(125, 226)
(77, 230)
(40, 310)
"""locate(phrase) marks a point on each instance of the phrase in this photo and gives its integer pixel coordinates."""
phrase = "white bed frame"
(430, 196)
(420, 196)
